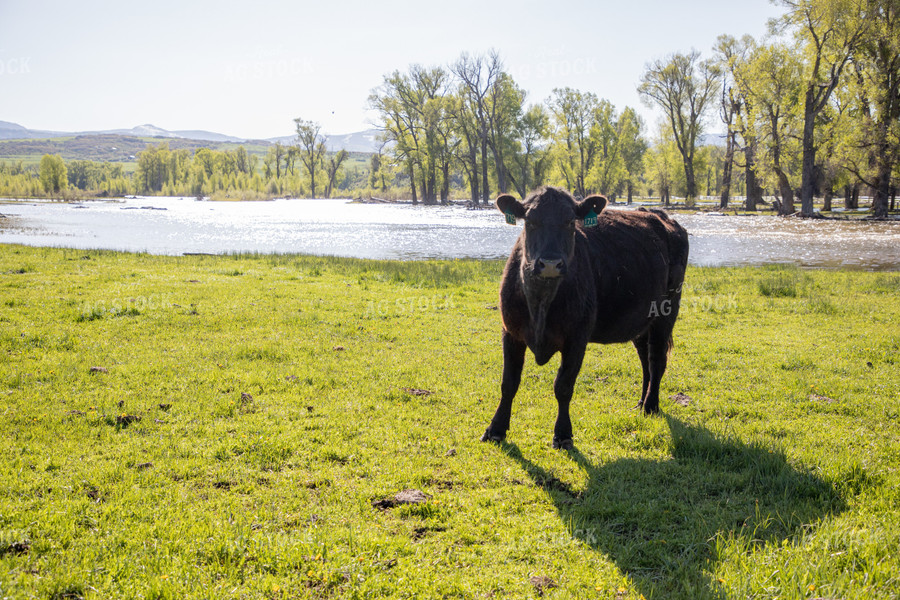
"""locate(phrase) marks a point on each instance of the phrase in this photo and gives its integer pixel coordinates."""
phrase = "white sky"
(249, 68)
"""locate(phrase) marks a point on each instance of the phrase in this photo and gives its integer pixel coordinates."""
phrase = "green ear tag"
(590, 219)
(511, 218)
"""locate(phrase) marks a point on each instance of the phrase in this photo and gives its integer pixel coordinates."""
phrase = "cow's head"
(550, 214)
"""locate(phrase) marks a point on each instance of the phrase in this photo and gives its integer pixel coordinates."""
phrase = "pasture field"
(239, 426)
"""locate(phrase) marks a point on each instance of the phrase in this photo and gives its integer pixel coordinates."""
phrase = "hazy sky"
(249, 68)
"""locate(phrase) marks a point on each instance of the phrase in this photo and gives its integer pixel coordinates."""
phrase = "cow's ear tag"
(511, 218)
(590, 219)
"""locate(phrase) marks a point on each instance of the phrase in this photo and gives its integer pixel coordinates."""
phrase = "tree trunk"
(485, 186)
(522, 186)
(500, 167)
(754, 190)
(808, 166)
(630, 190)
(828, 194)
(412, 182)
(690, 181)
(473, 175)
(445, 183)
(851, 196)
(726, 171)
(427, 187)
(882, 187)
(787, 194)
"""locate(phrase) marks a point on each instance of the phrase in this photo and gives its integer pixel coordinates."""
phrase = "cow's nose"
(550, 268)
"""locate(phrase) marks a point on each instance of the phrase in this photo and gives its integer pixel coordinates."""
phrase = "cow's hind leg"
(642, 345)
(513, 361)
(563, 388)
(659, 344)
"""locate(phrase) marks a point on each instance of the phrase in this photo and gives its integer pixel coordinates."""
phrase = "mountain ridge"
(360, 141)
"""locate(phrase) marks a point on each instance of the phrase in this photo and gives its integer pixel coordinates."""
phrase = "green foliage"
(252, 412)
(53, 174)
(684, 87)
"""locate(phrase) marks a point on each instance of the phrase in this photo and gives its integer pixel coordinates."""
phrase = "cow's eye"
(571, 224)
(530, 224)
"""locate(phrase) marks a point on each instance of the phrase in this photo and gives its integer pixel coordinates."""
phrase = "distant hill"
(14, 131)
(106, 147)
(361, 141)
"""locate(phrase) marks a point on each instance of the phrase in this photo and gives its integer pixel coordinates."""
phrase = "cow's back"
(638, 259)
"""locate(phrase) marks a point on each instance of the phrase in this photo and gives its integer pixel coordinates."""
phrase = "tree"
(53, 174)
(153, 167)
(531, 159)
(609, 169)
(396, 100)
(504, 102)
(660, 163)
(477, 76)
(81, 174)
(735, 56)
(776, 116)
(279, 152)
(312, 149)
(466, 151)
(683, 86)
(632, 148)
(332, 168)
(830, 31)
(575, 118)
(876, 87)
(376, 174)
(730, 54)
(242, 160)
(427, 104)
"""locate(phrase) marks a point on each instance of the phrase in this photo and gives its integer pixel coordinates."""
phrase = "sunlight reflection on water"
(403, 231)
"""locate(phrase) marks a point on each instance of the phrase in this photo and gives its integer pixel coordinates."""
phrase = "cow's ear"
(508, 205)
(595, 203)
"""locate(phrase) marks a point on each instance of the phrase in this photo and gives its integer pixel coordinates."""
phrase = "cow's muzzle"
(550, 268)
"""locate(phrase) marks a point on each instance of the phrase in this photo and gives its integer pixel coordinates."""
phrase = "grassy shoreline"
(248, 413)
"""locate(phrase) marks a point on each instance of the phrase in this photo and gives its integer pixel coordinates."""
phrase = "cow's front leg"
(563, 387)
(513, 361)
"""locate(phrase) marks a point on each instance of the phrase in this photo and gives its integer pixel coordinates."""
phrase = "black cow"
(569, 281)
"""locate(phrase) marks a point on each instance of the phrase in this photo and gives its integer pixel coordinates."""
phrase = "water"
(403, 231)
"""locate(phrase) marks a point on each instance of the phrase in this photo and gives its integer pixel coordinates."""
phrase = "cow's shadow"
(659, 520)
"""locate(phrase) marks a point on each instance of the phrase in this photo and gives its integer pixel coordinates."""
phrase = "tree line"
(810, 111)
(206, 172)
(468, 126)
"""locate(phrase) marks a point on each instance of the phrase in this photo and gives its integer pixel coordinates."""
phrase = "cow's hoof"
(650, 410)
(492, 437)
(566, 444)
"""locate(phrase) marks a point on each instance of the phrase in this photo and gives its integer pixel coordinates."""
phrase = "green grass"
(250, 409)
